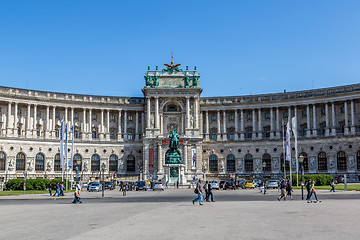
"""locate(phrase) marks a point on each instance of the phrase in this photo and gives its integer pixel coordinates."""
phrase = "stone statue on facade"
(187, 81)
(148, 81)
(222, 165)
(332, 163)
(312, 164)
(30, 164)
(11, 165)
(173, 155)
(195, 81)
(240, 165)
(156, 81)
(86, 165)
(48, 165)
(351, 163)
(275, 162)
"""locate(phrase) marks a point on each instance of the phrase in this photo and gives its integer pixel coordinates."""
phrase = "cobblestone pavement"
(239, 214)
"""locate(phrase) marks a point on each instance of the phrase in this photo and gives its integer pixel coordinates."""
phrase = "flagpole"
(284, 153)
(72, 156)
(290, 163)
(62, 150)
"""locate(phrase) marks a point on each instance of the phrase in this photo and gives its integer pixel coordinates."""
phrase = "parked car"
(140, 185)
(84, 184)
(109, 185)
(215, 185)
(95, 187)
(222, 183)
(90, 183)
(339, 180)
(229, 185)
(271, 184)
(241, 183)
(256, 182)
(158, 186)
(249, 184)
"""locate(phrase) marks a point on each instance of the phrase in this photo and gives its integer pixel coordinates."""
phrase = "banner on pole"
(193, 157)
(294, 130)
(61, 144)
(287, 143)
(70, 163)
(66, 143)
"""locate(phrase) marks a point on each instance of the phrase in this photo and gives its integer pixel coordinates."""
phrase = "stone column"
(148, 114)
(271, 123)
(277, 123)
(346, 128)
(218, 126)
(207, 126)
(119, 127)
(142, 123)
(83, 129)
(48, 130)
(66, 116)
(242, 135)
(16, 120)
(308, 130)
(187, 113)
(90, 124)
(224, 126)
(314, 121)
(253, 125)
(101, 128)
(260, 126)
(137, 126)
(327, 128)
(125, 125)
(107, 125)
(186, 157)
(9, 129)
(157, 113)
(196, 126)
(352, 118)
(236, 137)
(35, 122)
(53, 134)
(333, 129)
(201, 124)
(28, 122)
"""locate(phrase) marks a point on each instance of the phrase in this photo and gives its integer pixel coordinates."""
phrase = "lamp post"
(301, 161)
(264, 166)
(103, 171)
(78, 162)
(25, 175)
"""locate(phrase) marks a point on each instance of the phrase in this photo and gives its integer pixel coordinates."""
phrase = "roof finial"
(172, 58)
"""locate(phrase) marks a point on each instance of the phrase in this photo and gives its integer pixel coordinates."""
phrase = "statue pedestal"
(174, 173)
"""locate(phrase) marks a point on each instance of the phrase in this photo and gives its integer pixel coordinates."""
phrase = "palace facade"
(219, 136)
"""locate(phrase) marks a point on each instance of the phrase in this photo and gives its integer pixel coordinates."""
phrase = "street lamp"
(103, 171)
(301, 161)
(264, 166)
(25, 175)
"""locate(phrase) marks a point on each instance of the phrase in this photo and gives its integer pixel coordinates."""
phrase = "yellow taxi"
(249, 184)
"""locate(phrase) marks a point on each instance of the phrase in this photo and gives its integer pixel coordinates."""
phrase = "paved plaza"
(239, 214)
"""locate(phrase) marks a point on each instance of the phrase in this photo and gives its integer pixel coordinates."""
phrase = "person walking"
(57, 190)
(62, 189)
(77, 198)
(124, 189)
(206, 191)
(289, 189)
(282, 190)
(198, 191)
(312, 191)
(308, 187)
(210, 194)
(332, 184)
(50, 189)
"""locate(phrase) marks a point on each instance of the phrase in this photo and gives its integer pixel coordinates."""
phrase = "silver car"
(95, 187)
(271, 184)
(158, 186)
(215, 185)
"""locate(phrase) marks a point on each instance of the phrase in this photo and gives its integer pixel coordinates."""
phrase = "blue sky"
(239, 47)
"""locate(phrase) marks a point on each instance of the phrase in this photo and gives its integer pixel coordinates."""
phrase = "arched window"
(95, 163)
(322, 161)
(77, 162)
(306, 161)
(113, 163)
(341, 161)
(57, 167)
(172, 108)
(39, 162)
(130, 163)
(287, 164)
(20, 161)
(358, 160)
(213, 163)
(267, 159)
(230, 163)
(2, 161)
(249, 167)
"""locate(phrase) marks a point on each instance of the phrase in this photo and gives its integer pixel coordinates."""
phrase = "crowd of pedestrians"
(59, 189)
(199, 191)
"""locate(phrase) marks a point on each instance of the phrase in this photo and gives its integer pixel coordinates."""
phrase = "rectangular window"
(249, 116)
(112, 117)
(267, 116)
(38, 114)
(213, 118)
(231, 117)
(57, 114)
(304, 113)
(342, 109)
(76, 115)
(323, 111)
(94, 116)
(130, 118)
(285, 114)
(19, 112)
(213, 136)
(76, 134)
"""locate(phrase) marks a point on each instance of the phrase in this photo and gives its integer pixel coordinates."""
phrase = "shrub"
(320, 179)
(33, 184)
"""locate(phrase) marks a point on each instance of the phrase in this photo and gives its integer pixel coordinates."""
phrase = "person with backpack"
(198, 191)
(282, 189)
(289, 189)
(77, 198)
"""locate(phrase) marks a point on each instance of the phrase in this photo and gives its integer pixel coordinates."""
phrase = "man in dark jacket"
(210, 194)
(282, 189)
(308, 187)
